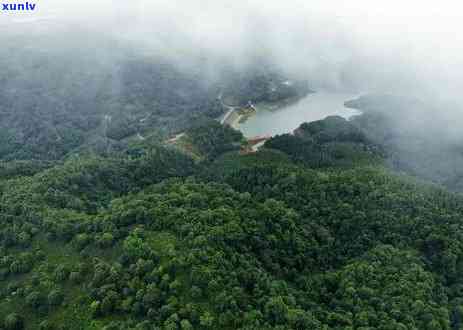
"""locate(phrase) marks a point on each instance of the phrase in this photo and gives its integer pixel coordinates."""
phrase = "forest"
(104, 225)
(421, 137)
(314, 231)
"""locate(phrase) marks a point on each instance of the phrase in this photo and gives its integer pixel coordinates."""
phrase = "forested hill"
(61, 100)
(421, 138)
(311, 232)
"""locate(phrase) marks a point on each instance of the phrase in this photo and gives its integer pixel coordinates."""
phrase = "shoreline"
(235, 118)
(315, 106)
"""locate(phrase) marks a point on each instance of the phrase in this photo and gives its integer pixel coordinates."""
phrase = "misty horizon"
(405, 49)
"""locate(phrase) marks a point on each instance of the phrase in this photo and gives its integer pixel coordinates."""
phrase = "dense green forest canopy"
(106, 225)
(147, 238)
(333, 141)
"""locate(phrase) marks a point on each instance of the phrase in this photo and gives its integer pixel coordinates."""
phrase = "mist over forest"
(136, 194)
(68, 68)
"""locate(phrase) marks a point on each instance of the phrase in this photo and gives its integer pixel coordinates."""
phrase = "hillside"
(231, 165)
(61, 100)
(150, 239)
(420, 138)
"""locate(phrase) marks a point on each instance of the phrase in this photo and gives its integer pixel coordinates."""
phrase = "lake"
(313, 107)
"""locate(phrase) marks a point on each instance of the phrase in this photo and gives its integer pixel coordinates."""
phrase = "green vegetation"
(103, 225)
(208, 140)
(213, 139)
(420, 138)
(261, 83)
(60, 100)
(149, 239)
(332, 142)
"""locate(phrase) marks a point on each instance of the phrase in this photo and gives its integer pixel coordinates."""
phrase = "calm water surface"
(313, 107)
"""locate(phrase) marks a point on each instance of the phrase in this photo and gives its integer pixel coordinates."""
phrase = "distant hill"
(420, 138)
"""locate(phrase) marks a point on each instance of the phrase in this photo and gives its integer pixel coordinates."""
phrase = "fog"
(408, 48)
(86, 59)
(401, 47)
(391, 46)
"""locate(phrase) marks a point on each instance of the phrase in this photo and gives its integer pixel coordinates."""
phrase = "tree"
(276, 310)
(106, 240)
(95, 308)
(109, 303)
(186, 325)
(75, 277)
(13, 322)
(300, 320)
(61, 273)
(55, 297)
(34, 299)
(206, 320)
(24, 239)
(45, 325)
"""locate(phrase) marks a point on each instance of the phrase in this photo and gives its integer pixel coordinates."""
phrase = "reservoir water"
(313, 107)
